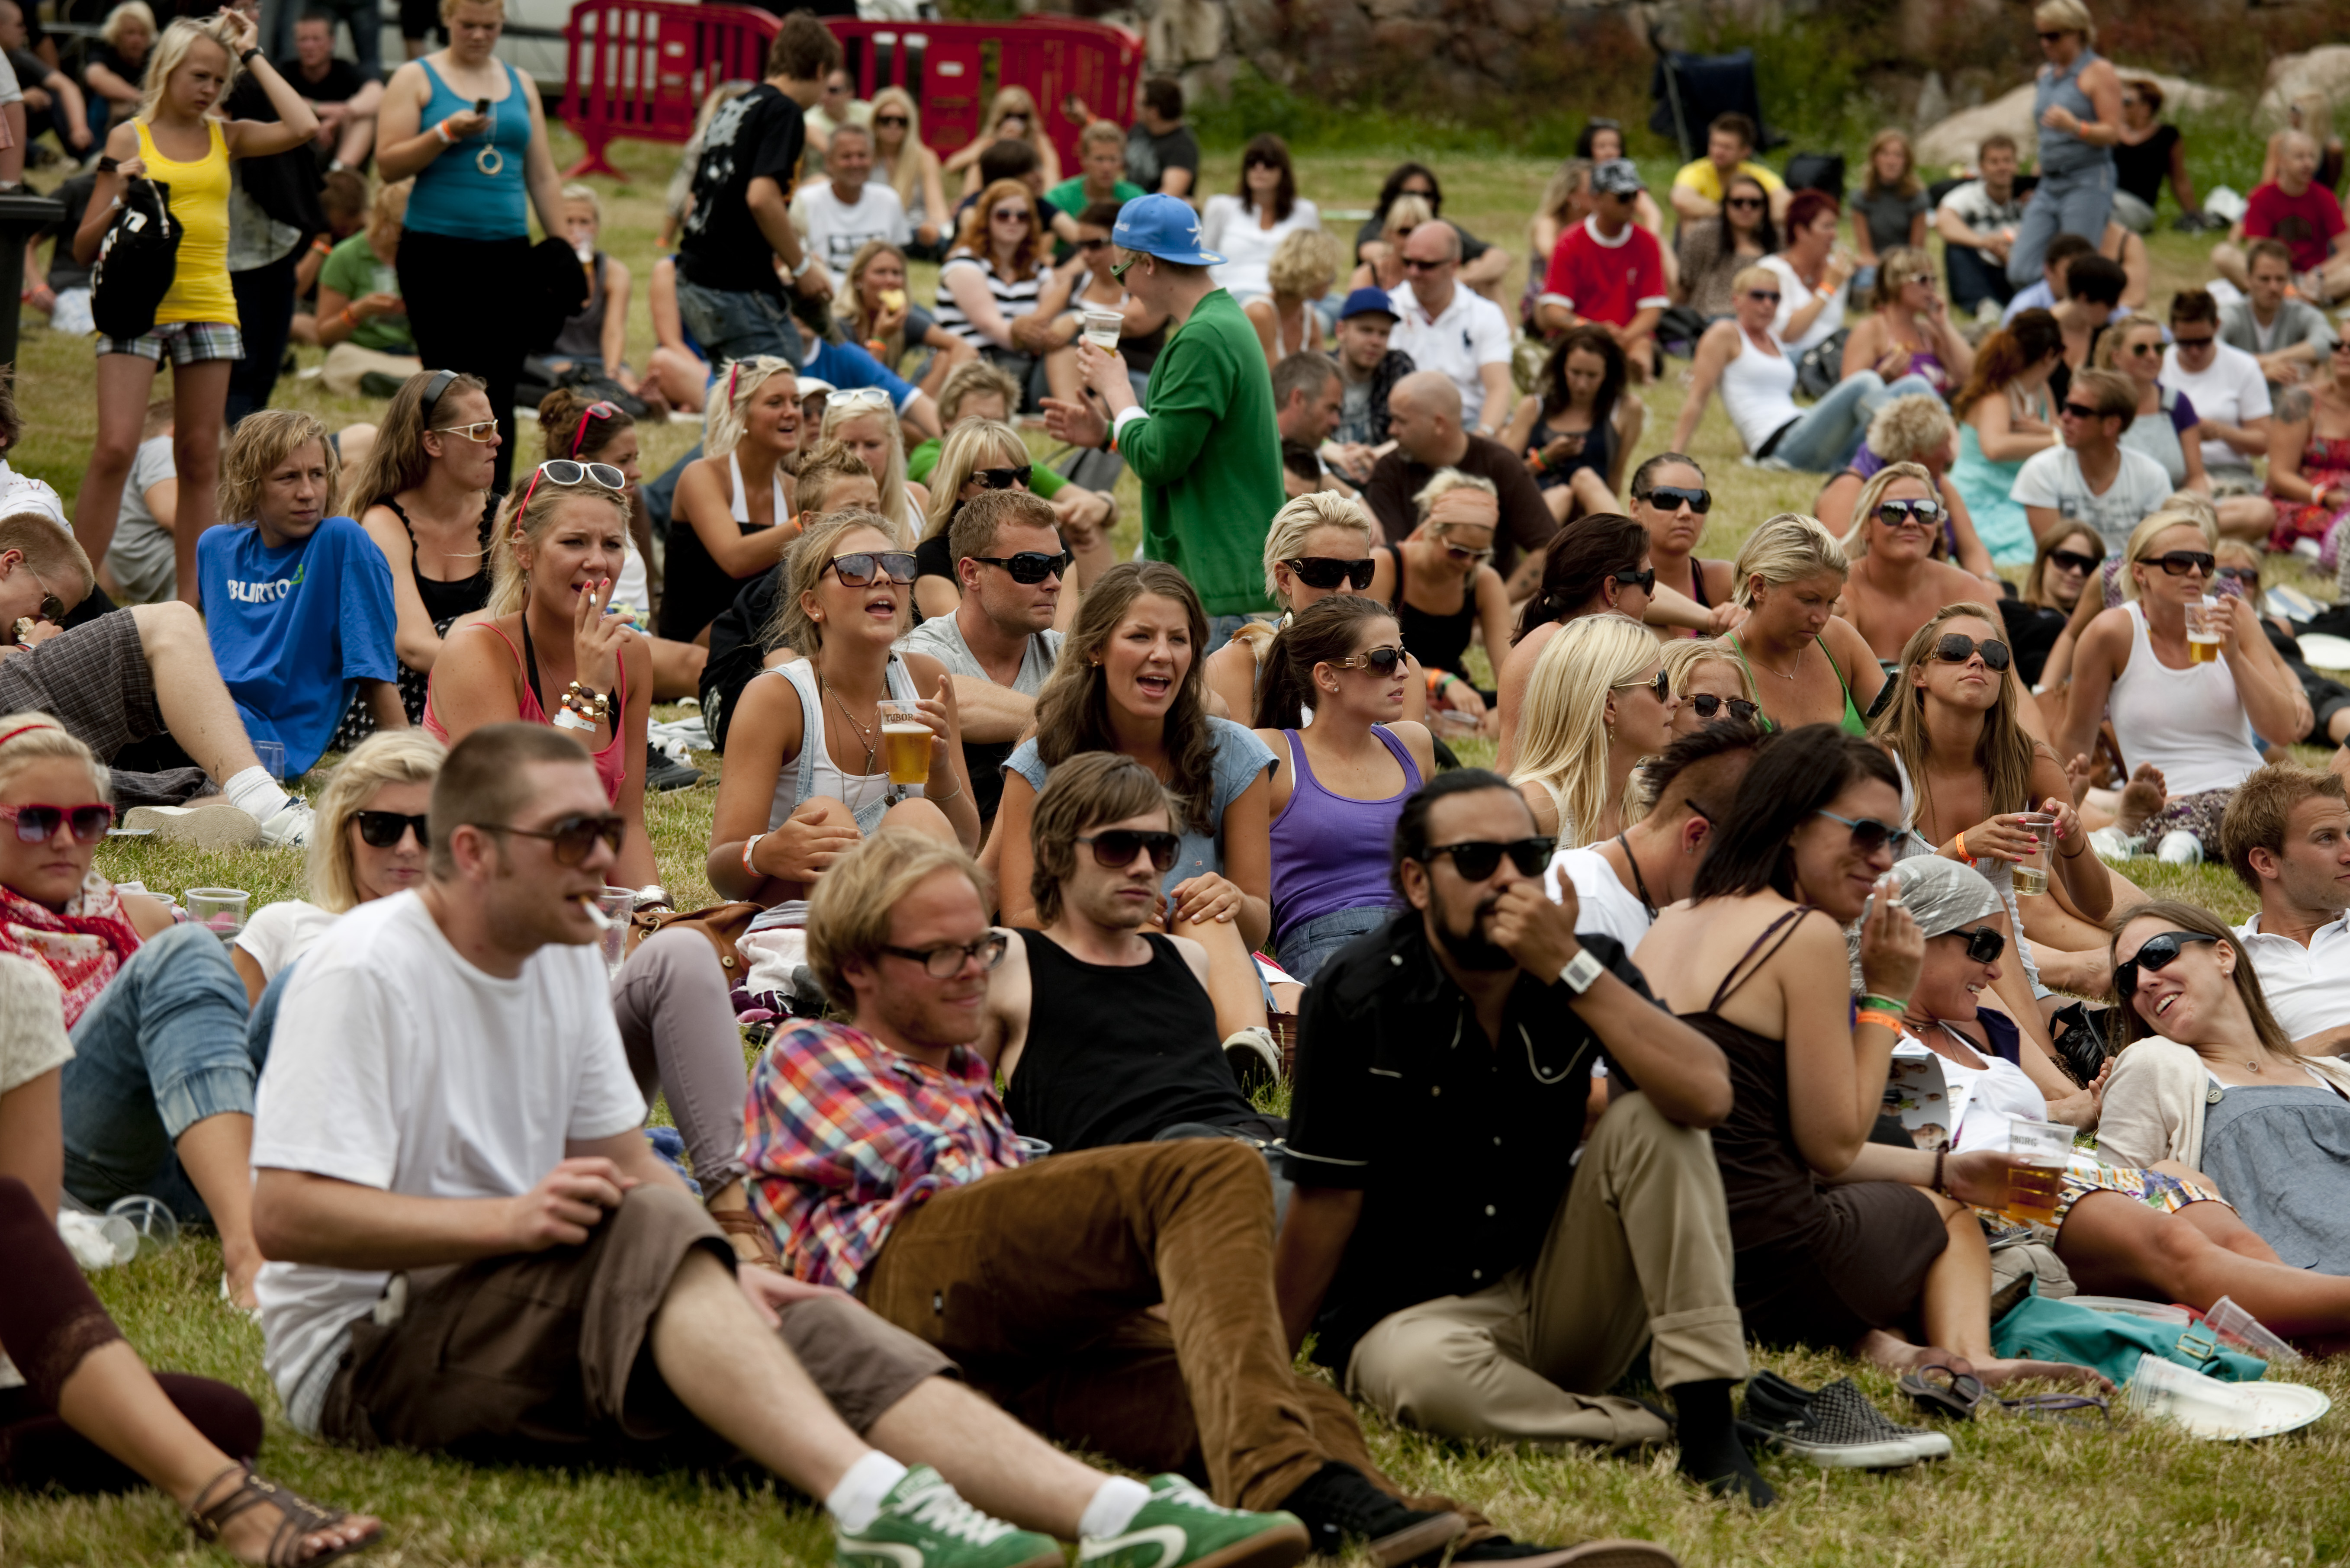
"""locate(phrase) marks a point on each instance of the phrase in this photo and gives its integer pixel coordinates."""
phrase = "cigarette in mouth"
(604, 922)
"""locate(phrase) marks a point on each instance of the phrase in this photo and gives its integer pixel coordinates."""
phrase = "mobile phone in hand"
(481, 106)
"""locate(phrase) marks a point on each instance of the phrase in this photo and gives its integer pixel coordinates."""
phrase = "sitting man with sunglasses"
(1439, 1060)
(1896, 585)
(1000, 644)
(1620, 885)
(2092, 479)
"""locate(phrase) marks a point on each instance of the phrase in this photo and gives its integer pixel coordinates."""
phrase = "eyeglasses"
(2154, 953)
(2193, 345)
(1660, 685)
(1645, 579)
(1329, 571)
(1003, 478)
(1868, 835)
(1956, 647)
(481, 432)
(2073, 561)
(564, 472)
(859, 567)
(2178, 563)
(1030, 566)
(1673, 497)
(1706, 705)
(1769, 295)
(1463, 552)
(596, 410)
(947, 960)
(1745, 203)
(1984, 944)
(571, 837)
(1894, 513)
(40, 824)
(1382, 662)
(384, 829)
(899, 121)
(1412, 263)
(1475, 858)
(1116, 848)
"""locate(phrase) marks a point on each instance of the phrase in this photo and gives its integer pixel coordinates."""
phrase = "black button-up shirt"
(1462, 1147)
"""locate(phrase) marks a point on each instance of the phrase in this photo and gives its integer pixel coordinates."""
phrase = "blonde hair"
(850, 908)
(2004, 751)
(1755, 277)
(2066, 16)
(791, 626)
(509, 583)
(892, 478)
(1895, 267)
(170, 52)
(398, 460)
(2115, 338)
(263, 440)
(1864, 505)
(1908, 185)
(1785, 549)
(388, 207)
(387, 757)
(1443, 482)
(129, 11)
(1909, 427)
(1301, 516)
(2143, 536)
(1562, 732)
(904, 171)
(958, 455)
(723, 432)
(32, 737)
(1306, 260)
(1684, 655)
(1405, 210)
(1011, 99)
(48, 550)
(576, 192)
(449, 8)
(851, 306)
(820, 465)
(975, 376)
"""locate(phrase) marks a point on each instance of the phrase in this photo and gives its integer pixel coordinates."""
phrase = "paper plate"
(2324, 652)
(2221, 1412)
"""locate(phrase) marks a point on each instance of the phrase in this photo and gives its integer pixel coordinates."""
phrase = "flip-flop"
(1957, 1395)
(2072, 1409)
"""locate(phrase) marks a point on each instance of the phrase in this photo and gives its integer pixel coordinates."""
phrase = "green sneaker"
(924, 1525)
(1181, 1528)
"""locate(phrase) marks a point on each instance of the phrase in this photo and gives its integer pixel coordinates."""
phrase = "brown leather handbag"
(722, 924)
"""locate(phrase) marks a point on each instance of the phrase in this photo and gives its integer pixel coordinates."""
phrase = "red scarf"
(83, 947)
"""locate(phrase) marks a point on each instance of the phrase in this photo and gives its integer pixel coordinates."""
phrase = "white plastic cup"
(2246, 1332)
(271, 754)
(148, 1221)
(618, 904)
(219, 909)
(1103, 327)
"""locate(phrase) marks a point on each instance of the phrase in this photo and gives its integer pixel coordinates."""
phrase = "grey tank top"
(2281, 1153)
(2062, 152)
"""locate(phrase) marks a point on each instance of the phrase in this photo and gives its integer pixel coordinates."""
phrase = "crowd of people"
(1124, 938)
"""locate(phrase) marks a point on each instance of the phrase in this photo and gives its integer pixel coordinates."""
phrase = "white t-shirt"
(1793, 294)
(32, 1042)
(2231, 391)
(837, 229)
(1607, 906)
(279, 933)
(2307, 988)
(2052, 478)
(1470, 334)
(1233, 229)
(398, 1064)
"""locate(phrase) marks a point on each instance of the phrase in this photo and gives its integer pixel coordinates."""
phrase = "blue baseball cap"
(1162, 226)
(1367, 301)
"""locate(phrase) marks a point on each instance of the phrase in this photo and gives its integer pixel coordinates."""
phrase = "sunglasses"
(2193, 345)
(2144, 350)
(384, 829)
(899, 121)
(1956, 647)
(1706, 705)
(571, 837)
(2156, 954)
(2178, 563)
(40, 824)
(1328, 571)
(1660, 685)
(2073, 561)
(1413, 264)
(1983, 944)
(858, 568)
(481, 432)
(1868, 835)
(2083, 411)
(1030, 566)
(849, 399)
(2248, 575)
(1475, 858)
(1093, 244)
(1116, 848)
(1382, 662)
(1122, 268)
(53, 608)
(1746, 203)
(1673, 497)
(564, 471)
(1645, 579)
(1003, 478)
(1770, 296)
(1927, 278)
(947, 960)
(1463, 552)
(1008, 215)
(597, 411)
(1894, 513)
(2050, 37)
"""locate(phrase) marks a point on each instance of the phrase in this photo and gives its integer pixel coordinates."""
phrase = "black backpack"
(136, 261)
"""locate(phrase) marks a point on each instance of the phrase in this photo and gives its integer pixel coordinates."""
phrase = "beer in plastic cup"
(2033, 1187)
(905, 742)
(1103, 327)
(2031, 872)
(2205, 624)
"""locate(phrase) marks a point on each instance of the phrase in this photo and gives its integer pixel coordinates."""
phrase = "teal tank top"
(457, 194)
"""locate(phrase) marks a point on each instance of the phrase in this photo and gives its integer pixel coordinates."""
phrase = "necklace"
(1639, 883)
(1781, 674)
(863, 735)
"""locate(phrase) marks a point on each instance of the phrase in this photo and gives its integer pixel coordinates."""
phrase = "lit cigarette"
(604, 922)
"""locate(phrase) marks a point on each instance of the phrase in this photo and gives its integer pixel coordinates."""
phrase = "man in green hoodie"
(1206, 449)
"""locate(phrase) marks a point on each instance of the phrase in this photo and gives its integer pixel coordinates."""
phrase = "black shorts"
(421, 19)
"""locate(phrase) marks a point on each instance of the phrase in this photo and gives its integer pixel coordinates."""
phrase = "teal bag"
(2111, 1342)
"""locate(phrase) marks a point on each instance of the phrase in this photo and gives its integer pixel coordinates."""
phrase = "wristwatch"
(1581, 970)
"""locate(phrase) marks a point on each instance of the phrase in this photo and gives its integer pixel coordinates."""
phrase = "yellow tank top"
(199, 290)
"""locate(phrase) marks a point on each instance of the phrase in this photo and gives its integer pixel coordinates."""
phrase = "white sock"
(856, 1502)
(1113, 1508)
(256, 793)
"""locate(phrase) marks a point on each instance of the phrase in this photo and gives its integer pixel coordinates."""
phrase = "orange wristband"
(1962, 847)
(1881, 1019)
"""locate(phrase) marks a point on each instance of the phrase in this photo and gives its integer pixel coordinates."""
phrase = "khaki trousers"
(346, 362)
(1639, 1252)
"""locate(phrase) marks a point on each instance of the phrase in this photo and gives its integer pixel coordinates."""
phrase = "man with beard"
(1464, 1274)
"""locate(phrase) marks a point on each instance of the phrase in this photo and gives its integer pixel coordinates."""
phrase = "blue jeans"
(2075, 202)
(1974, 278)
(164, 1046)
(1830, 431)
(1306, 946)
(732, 327)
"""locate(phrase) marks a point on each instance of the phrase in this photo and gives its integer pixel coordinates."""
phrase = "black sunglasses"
(1003, 478)
(1868, 835)
(2178, 563)
(2073, 561)
(571, 836)
(2082, 411)
(1116, 848)
(859, 567)
(1093, 244)
(382, 829)
(2050, 37)
(1893, 513)
(2157, 952)
(1329, 571)
(1645, 581)
(1030, 566)
(898, 120)
(1475, 858)
(1706, 705)
(1983, 944)
(2184, 343)
(946, 961)
(1956, 647)
(38, 824)
(2248, 575)
(1748, 202)
(1381, 661)
(1673, 497)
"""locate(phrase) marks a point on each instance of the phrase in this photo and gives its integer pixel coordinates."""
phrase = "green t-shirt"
(1070, 196)
(1042, 482)
(354, 271)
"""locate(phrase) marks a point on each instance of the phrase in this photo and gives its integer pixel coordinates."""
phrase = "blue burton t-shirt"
(294, 631)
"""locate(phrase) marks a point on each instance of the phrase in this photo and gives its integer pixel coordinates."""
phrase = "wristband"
(1884, 1005)
(349, 319)
(2074, 854)
(1940, 1155)
(442, 131)
(1962, 847)
(1885, 1021)
(322, 246)
(1534, 461)
(807, 260)
(749, 845)
(565, 719)
(244, 56)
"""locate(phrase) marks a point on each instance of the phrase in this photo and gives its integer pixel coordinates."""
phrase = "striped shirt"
(1014, 296)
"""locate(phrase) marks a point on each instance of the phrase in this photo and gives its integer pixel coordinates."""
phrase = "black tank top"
(1438, 641)
(446, 598)
(695, 589)
(1599, 452)
(1114, 1054)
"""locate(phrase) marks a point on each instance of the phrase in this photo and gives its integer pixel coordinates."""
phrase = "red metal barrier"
(641, 68)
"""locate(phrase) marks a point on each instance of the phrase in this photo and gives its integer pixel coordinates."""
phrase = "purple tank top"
(1330, 852)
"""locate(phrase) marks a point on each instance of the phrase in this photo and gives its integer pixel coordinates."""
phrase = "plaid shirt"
(842, 1135)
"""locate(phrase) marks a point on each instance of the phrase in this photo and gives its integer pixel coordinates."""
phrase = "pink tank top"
(611, 762)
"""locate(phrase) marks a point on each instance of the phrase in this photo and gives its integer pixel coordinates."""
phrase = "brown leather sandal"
(297, 1517)
(743, 1223)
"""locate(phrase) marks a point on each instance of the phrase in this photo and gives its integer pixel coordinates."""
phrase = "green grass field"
(2018, 1492)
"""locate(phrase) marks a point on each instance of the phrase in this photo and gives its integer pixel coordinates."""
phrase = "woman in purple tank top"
(1331, 704)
